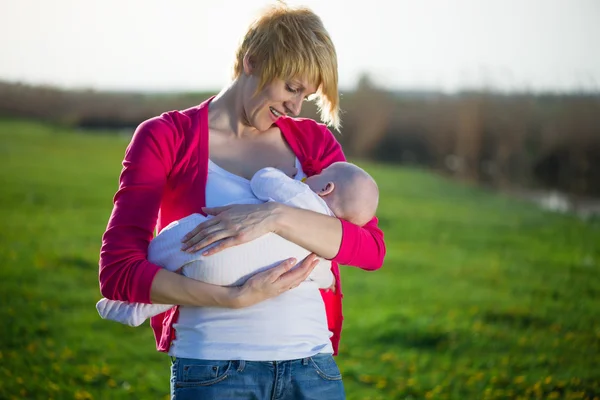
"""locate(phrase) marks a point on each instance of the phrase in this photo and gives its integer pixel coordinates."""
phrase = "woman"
(260, 340)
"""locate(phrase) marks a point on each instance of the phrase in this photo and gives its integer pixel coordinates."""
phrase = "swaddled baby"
(343, 190)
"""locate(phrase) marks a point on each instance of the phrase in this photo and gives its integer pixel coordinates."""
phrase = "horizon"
(394, 91)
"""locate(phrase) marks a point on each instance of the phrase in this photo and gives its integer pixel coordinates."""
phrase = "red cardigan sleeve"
(125, 273)
(361, 246)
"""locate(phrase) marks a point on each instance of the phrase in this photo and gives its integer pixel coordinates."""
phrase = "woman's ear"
(249, 65)
(327, 189)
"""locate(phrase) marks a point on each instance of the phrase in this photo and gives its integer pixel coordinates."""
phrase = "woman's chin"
(263, 126)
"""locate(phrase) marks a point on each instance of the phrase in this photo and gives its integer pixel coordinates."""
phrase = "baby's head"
(348, 190)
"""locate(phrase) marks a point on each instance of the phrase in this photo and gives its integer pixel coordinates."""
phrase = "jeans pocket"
(201, 372)
(326, 367)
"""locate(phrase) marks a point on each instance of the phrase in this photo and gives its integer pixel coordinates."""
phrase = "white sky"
(416, 44)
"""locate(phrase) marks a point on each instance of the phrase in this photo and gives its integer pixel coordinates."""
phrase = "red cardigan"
(164, 178)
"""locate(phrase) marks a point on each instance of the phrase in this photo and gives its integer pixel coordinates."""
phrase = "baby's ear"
(329, 187)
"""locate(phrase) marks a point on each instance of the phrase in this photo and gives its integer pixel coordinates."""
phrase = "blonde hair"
(287, 43)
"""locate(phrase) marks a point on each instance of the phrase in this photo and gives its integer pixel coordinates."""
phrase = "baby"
(343, 190)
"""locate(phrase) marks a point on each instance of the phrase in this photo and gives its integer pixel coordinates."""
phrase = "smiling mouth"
(275, 112)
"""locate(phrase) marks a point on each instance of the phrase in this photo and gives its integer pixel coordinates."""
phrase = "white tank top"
(290, 326)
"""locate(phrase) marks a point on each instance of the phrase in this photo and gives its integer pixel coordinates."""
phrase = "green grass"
(480, 297)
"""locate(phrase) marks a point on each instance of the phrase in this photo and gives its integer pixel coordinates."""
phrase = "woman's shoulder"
(315, 144)
(306, 126)
(170, 126)
(310, 134)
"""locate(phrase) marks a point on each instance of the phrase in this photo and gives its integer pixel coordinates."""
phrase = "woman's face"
(276, 99)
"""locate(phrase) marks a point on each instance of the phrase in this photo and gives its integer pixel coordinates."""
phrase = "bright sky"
(404, 44)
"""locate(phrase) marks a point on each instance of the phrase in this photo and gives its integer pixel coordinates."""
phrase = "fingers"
(224, 244)
(277, 280)
(291, 279)
(215, 210)
(200, 227)
(331, 288)
(207, 240)
(276, 272)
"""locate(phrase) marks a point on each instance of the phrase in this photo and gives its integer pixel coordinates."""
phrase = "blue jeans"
(316, 377)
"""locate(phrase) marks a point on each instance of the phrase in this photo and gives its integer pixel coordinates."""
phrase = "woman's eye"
(290, 89)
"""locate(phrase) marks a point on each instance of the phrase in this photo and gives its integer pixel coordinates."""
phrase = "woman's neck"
(226, 112)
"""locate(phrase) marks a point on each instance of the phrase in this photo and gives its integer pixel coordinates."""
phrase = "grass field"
(480, 297)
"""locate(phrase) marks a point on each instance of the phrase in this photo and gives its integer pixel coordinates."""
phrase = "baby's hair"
(357, 193)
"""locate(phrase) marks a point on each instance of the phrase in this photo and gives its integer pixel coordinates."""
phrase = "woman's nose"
(294, 107)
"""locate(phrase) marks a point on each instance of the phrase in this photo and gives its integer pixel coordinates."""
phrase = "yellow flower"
(82, 395)
(548, 380)
(519, 379)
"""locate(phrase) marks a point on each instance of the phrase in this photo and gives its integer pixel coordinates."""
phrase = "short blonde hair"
(287, 43)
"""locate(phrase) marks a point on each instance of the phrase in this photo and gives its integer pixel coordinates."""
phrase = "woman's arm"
(313, 231)
(171, 288)
(332, 238)
(124, 272)
(328, 237)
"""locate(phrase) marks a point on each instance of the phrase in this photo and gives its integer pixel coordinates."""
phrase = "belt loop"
(305, 360)
(241, 365)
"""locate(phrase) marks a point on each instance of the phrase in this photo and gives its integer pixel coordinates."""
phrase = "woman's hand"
(232, 225)
(274, 281)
